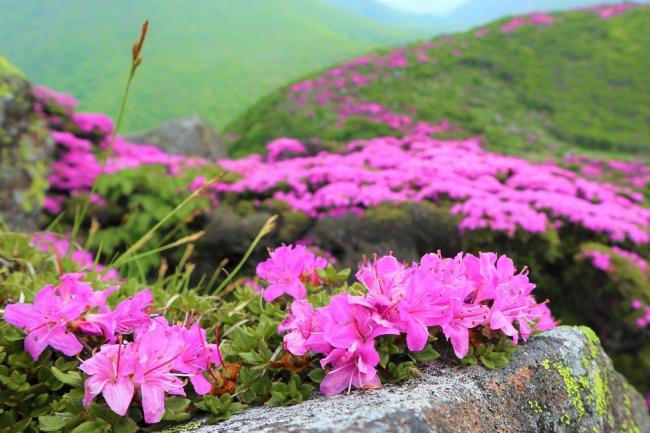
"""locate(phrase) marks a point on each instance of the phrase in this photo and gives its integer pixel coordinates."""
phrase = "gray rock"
(561, 381)
(408, 230)
(25, 152)
(190, 136)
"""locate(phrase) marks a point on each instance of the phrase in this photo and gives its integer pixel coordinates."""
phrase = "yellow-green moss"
(183, 428)
(629, 424)
(592, 340)
(6, 69)
(536, 407)
(386, 213)
(572, 388)
(565, 419)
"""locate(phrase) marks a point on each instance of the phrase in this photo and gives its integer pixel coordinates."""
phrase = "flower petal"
(153, 402)
(119, 395)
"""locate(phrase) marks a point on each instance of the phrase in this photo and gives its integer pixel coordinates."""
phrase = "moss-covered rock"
(25, 149)
(561, 381)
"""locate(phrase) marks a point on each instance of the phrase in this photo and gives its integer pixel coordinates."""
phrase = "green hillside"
(213, 58)
(580, 84)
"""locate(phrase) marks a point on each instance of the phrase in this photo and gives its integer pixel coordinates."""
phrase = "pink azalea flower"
(55, 307)
(153, 368)
(129, 316)
(386, 280)
(425, 304)
(349, 369)
(465, 317)
(350, 323)
(110, 372)
(305, 330)
(72, 289)
(286, 270)
(351, 326)
(196, 356)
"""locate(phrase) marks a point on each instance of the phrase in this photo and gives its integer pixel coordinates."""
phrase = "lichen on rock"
(540, 391)
(25, 150)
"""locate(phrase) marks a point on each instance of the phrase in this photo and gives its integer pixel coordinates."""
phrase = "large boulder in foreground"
(25, 151)
(189, 136)
(561, 381)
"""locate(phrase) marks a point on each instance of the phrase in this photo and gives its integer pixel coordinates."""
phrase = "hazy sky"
(424, 6)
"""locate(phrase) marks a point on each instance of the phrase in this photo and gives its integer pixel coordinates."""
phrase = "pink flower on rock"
(465, 317)
(111, 374)
(287, 270)
(386, 280)
(157, 350)
(349, 369)
(456, 294)
(351, 326)
(425, 304)
(351, 323)
(305, 330)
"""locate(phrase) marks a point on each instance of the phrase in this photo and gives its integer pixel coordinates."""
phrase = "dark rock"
(190, 136)
(25, 152)
(561, 381)
(408, 230)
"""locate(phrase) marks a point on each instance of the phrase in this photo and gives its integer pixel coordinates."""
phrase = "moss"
(629, 425)
(536, 407)
(572, 388)
(601, 393)
(565, 419)
(386, 213)
(294, 225)
(183, 428)
(592, 340)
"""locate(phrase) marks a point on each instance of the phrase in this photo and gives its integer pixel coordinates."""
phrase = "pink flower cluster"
(609, 11)
(491, 191)
(603, 260)
(455, 294)
(80, 136)
(644, 320)
(538, 18)
(152, 364)
(45, 96)
(600, 260)
(60, 246)
(333, 88)
(62, 315)
(284, 146)
(61, 312)
(633, 257)
(632, 173)
(288, 270)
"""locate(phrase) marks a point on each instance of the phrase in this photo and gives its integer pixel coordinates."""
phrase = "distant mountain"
(570, 83)
(379, 12)
(473, 12)
(208, 57)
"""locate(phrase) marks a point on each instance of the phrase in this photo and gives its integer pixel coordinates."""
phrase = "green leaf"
(94, 426)
(177, 404)
(427, 354)
(317, 375)
(125, 425)
(54, 423)
(71, 378)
